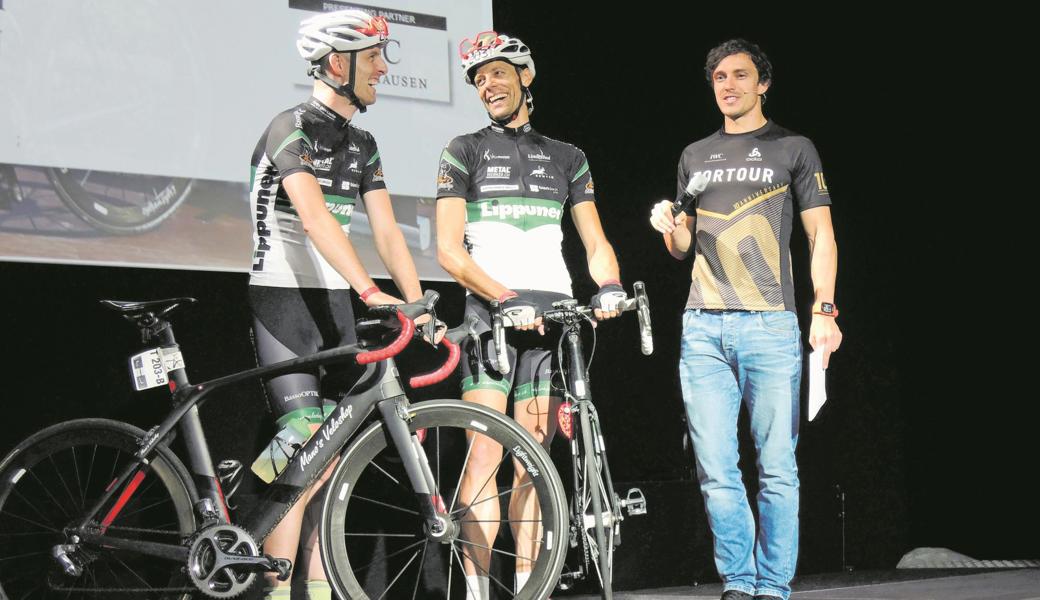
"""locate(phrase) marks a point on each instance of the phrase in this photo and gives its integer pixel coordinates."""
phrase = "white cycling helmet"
(489, 46)
(340, 31)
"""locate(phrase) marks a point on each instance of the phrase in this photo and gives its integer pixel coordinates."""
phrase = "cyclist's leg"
(310, 558)
(534, 408)
(288, 323)
(481, 384)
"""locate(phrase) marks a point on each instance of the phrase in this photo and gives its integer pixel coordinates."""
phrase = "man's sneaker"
(765, 597)
(735, 595)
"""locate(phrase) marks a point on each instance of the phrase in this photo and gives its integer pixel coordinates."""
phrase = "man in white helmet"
(501, 193)
(309, 168)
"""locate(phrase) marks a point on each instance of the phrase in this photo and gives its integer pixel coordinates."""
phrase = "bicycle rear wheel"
(47, 484)
(373, 539)
(119, 202)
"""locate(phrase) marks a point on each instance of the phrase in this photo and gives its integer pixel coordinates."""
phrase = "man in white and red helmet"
(501, 195)
(342, 33)
(309, 169)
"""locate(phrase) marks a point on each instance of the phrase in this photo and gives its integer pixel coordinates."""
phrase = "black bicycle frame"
(380, 386)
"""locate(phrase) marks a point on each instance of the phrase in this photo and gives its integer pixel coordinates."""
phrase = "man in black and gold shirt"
(741, 342)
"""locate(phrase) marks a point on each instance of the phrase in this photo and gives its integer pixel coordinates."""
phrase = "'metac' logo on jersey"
(497, 173)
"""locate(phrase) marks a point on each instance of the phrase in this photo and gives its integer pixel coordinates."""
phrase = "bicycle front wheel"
(119, 202)
(373, 540)
(49, 482)
(599, 511)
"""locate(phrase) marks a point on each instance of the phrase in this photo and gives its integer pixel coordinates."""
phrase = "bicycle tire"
(120, 203)
(595, 489)
(370, 465)
(47, 482)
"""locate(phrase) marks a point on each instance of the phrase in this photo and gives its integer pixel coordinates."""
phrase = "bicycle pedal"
(281, 566)
(568, 579)
(634, 502)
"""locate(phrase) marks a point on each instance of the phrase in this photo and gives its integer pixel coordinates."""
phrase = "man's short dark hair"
(738, 46)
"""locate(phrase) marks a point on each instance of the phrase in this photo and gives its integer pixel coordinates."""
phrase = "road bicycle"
(96, 508)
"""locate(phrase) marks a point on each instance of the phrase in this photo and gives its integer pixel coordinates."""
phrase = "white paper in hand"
(817, 382)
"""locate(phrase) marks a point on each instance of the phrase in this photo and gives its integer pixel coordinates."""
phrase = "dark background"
(928, 431)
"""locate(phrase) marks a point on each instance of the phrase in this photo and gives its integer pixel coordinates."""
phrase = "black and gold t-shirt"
(756, 180)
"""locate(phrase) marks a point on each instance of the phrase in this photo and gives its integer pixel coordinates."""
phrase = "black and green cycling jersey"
(516, 184)
(310, 138)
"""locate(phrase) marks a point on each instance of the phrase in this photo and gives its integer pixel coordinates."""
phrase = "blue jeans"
(729, 357)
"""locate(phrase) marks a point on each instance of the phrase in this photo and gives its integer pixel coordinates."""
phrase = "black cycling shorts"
(293, 322)
(531, 355)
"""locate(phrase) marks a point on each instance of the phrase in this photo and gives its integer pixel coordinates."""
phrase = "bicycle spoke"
(491, 476)
(49, 526)
(394, 553)
(450, 571)
(485, 571)
(49, 494)
(79, 482)
(115, 577)
(90, 470)
(144, 508)
(498, 495)
(458, 484)
(132, 572)
(405, 535)
(462, 567)
(461, 541)
(61, 478)
(504, 521)
(390, 477)
(28, 533)
(398, 576)
(418, 576)
(411, 512)
(23, 555)
(27, 520)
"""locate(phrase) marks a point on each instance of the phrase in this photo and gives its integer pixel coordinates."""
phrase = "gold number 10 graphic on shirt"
(821, 185)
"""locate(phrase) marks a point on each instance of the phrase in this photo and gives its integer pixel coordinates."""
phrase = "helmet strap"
(345, 89)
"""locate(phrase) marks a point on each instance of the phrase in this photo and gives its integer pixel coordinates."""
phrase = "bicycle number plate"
(148, 369)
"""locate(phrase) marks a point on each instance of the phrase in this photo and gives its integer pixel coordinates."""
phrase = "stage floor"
(907, 584)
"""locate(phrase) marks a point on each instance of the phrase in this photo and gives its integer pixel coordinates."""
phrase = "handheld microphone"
(693, 189)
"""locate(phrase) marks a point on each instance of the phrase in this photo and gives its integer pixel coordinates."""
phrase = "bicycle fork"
(438, 524)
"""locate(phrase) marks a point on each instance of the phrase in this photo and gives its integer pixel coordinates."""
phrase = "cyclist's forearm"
(603, 265)
(454, 259)
(327, 236)
(393, 250)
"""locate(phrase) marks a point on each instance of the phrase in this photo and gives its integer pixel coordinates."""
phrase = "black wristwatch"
(827, 309)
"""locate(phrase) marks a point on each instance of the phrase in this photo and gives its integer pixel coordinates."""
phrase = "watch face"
(826, 307)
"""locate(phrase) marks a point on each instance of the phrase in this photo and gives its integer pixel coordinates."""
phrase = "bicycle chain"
(145, 530)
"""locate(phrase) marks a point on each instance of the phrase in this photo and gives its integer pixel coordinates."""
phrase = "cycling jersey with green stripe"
(517, 184)
(311, 138)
